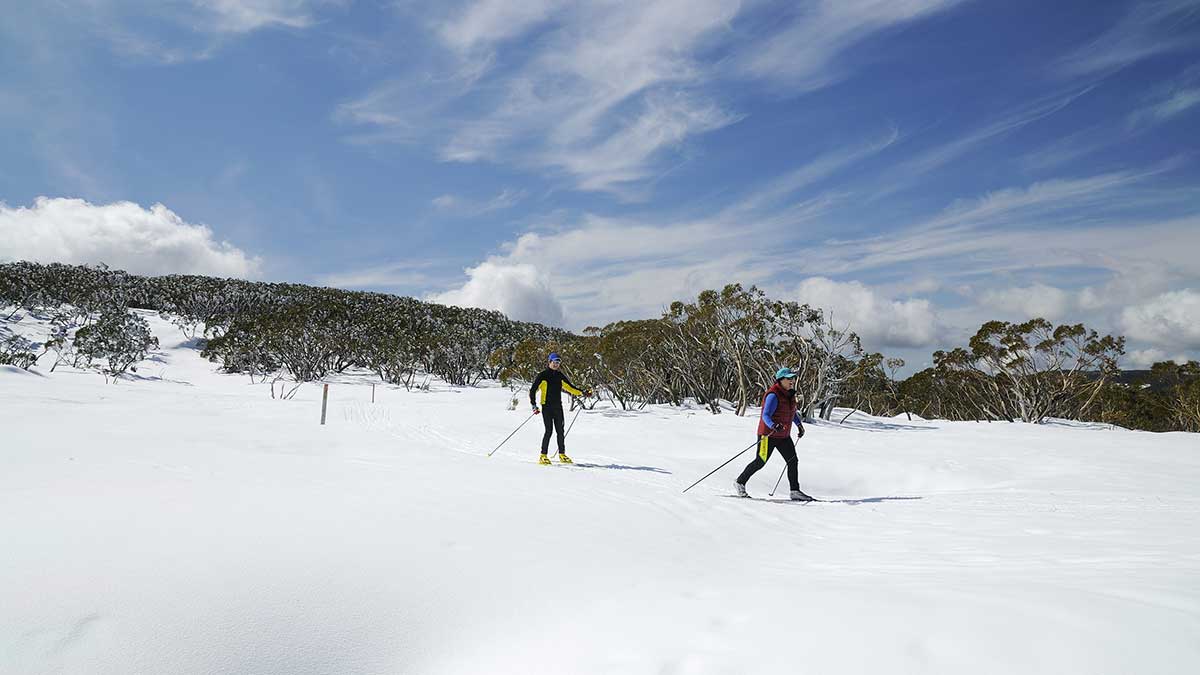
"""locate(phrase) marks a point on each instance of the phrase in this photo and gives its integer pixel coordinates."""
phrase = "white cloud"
(1071, 147)
(605, 92)
(1176, 104)
(908, 172)
(485, 23)
(878, 320)
(465, 206)
(179, 31)
(1088, 221)
(802, 52)
(520, 291)
(604, 269)
(446, 202)
(393, 276)
(1148, 29)
(122, 235)
(1169, 101)
(626, 155)
(822, 167)
(1144, 358)
(1169, 320)
(244, 16)
(1035, 301)
(613, 87)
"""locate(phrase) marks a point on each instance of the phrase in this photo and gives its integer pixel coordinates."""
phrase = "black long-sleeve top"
(551, 383)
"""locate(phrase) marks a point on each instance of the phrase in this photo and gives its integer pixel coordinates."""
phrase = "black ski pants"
(552, 418)
(786, 448)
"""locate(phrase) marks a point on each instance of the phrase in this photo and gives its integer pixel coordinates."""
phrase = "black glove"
(777, 426)
(800, 430)
(587, 393)
(536, 411)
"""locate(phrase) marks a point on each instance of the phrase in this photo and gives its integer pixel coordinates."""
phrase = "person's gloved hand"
(777, 426)
(800, 430)
(536, 411)
(587, 393)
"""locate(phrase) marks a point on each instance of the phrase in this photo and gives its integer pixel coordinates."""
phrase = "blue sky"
(914, 166)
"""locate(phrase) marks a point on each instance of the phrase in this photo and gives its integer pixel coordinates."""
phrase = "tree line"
(719, 350)
(264, 330)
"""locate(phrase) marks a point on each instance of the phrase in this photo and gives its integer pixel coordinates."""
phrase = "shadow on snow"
(852, 502)
(872, 425)
(621, 467)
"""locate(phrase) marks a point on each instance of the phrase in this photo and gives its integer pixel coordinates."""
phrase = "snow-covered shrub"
(120, 339)
(16, 350)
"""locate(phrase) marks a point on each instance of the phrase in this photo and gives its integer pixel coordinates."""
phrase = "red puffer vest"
(785, 410)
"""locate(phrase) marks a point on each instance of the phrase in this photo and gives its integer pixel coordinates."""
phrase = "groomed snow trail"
(184, 522)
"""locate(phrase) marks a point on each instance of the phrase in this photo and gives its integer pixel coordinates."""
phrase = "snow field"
(184, 522)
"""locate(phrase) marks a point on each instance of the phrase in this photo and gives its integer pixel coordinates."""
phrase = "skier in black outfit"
(551, 383)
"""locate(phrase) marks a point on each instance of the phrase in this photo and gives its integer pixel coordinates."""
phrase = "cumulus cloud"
(122, 235)
(520, 291)
(1037, 300)
(1169, 320)
(878, 320)
(1144, 358)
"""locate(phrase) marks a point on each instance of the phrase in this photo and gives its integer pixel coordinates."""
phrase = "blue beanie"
(554, 357)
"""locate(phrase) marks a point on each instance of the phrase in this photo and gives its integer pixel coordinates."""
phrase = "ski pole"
(722, 466)
(778, 481)
(514, 433)
(568, 431)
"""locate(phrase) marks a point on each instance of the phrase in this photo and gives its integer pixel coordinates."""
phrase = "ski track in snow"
(185, 522)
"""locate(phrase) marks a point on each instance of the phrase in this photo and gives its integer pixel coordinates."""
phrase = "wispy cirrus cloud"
(605, 269)
(397, 276)
(1012, 228)
(1070, 148)
(178, 31)
(1169, 101)
(1175, 104)
(801, 52)
(1148, 29)
(244, 16)
(480, 26)
(602, 92)
(469, 207)
(822, 168)
(907, 172)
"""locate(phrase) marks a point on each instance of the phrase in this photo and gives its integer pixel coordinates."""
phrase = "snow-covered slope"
(185, 522)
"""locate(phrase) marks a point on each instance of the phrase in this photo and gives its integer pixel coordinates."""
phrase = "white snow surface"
(182, 521)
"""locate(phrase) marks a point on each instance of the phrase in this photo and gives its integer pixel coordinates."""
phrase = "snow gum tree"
(1183, 397)
(1033, 370)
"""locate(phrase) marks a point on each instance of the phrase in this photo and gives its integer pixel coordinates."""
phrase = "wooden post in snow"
(324, 402)
(372, 392)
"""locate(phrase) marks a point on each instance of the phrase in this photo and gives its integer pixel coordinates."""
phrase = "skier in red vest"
(775, 432)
